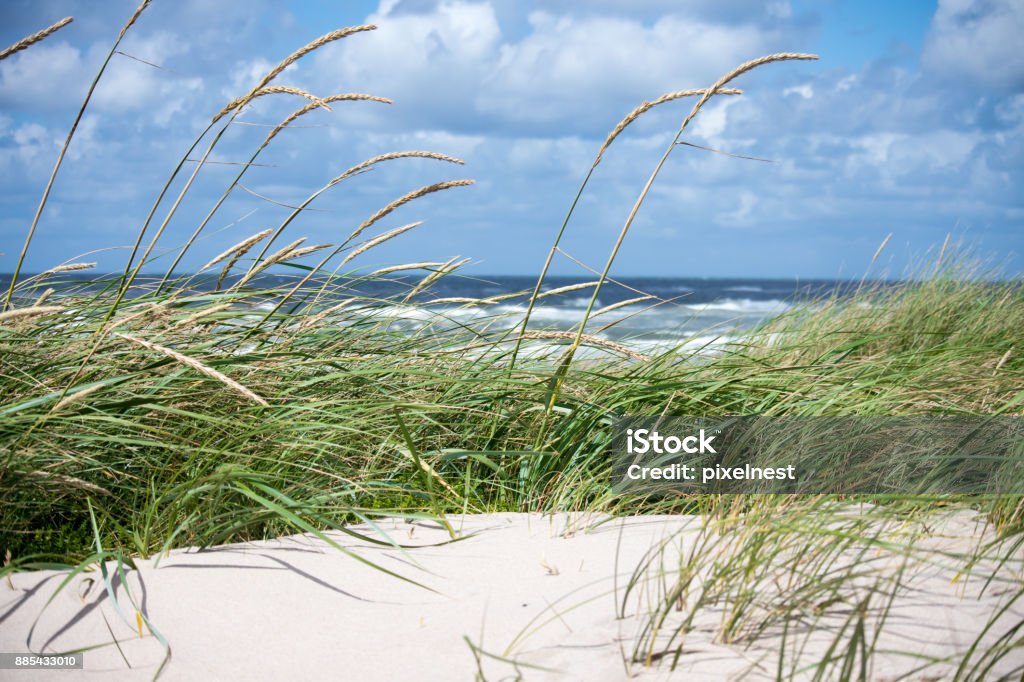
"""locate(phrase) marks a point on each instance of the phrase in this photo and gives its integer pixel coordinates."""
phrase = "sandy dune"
(541, 590)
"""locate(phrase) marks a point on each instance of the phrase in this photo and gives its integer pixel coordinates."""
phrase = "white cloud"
(30, 135)
(806, 91)
(419, 59)
(712, 120)
(743, 214)
(524, 91)
(451, 65)
(1011, 111)
(846, 82)
(32, 153)
(157, 47)
(49, 76)
(463, 146)
(568, 66)
(57, 76)
(247, 74)
(734, 11)
(875, 148)
(978, 40)
(87, 140)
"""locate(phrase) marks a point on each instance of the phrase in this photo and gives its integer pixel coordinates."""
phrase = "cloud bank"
(914, 144)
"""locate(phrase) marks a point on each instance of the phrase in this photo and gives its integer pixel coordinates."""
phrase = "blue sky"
(911, 123)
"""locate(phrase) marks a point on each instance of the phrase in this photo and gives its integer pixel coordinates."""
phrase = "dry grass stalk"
(1003, 360)
(42, 297)
(134, 17)
(880, 248)
(391, 234)
(622, 304)
(206, 312)
(305, 251)
(314, 319)
(567, 289)
(291, 59)
(32, 311)
(226, 269)
(708, 94)
(337, 34)
(619, 320)
(644, 107)
(196, 365)
(35, 37)
(587, 338)
(80, 394)
(291, 90)
(411, 196)
(942, 252)
(591, 270)
(446, 268)
(240, 247)
(156, 310)
(234, 259)
(429, 470)
(276, 257)
(725, 153)
(359, 168)
(238, 102)
(312, 106)
(404, 266)
(737, 72)
(281, 253)
(506, 297)
(69, 267)
(69, 481)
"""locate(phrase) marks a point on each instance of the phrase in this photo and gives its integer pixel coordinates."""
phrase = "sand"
(540, 590)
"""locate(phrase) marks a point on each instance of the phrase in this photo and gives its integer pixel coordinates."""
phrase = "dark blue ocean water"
(689, 311)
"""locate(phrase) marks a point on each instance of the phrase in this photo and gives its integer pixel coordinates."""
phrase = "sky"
(911, 123)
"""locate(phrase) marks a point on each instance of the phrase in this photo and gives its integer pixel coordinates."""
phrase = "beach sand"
(542, 590)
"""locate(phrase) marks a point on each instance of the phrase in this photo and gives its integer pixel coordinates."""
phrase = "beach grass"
(160, 414)
(144, 413)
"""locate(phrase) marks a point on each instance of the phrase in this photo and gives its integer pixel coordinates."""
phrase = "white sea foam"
(742, 306)
(701, 328)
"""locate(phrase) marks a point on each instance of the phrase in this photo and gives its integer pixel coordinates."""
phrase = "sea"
(695, 313)
(698, 313)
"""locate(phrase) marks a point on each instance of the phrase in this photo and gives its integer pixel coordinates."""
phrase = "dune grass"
(161, 413)
(142, 414)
